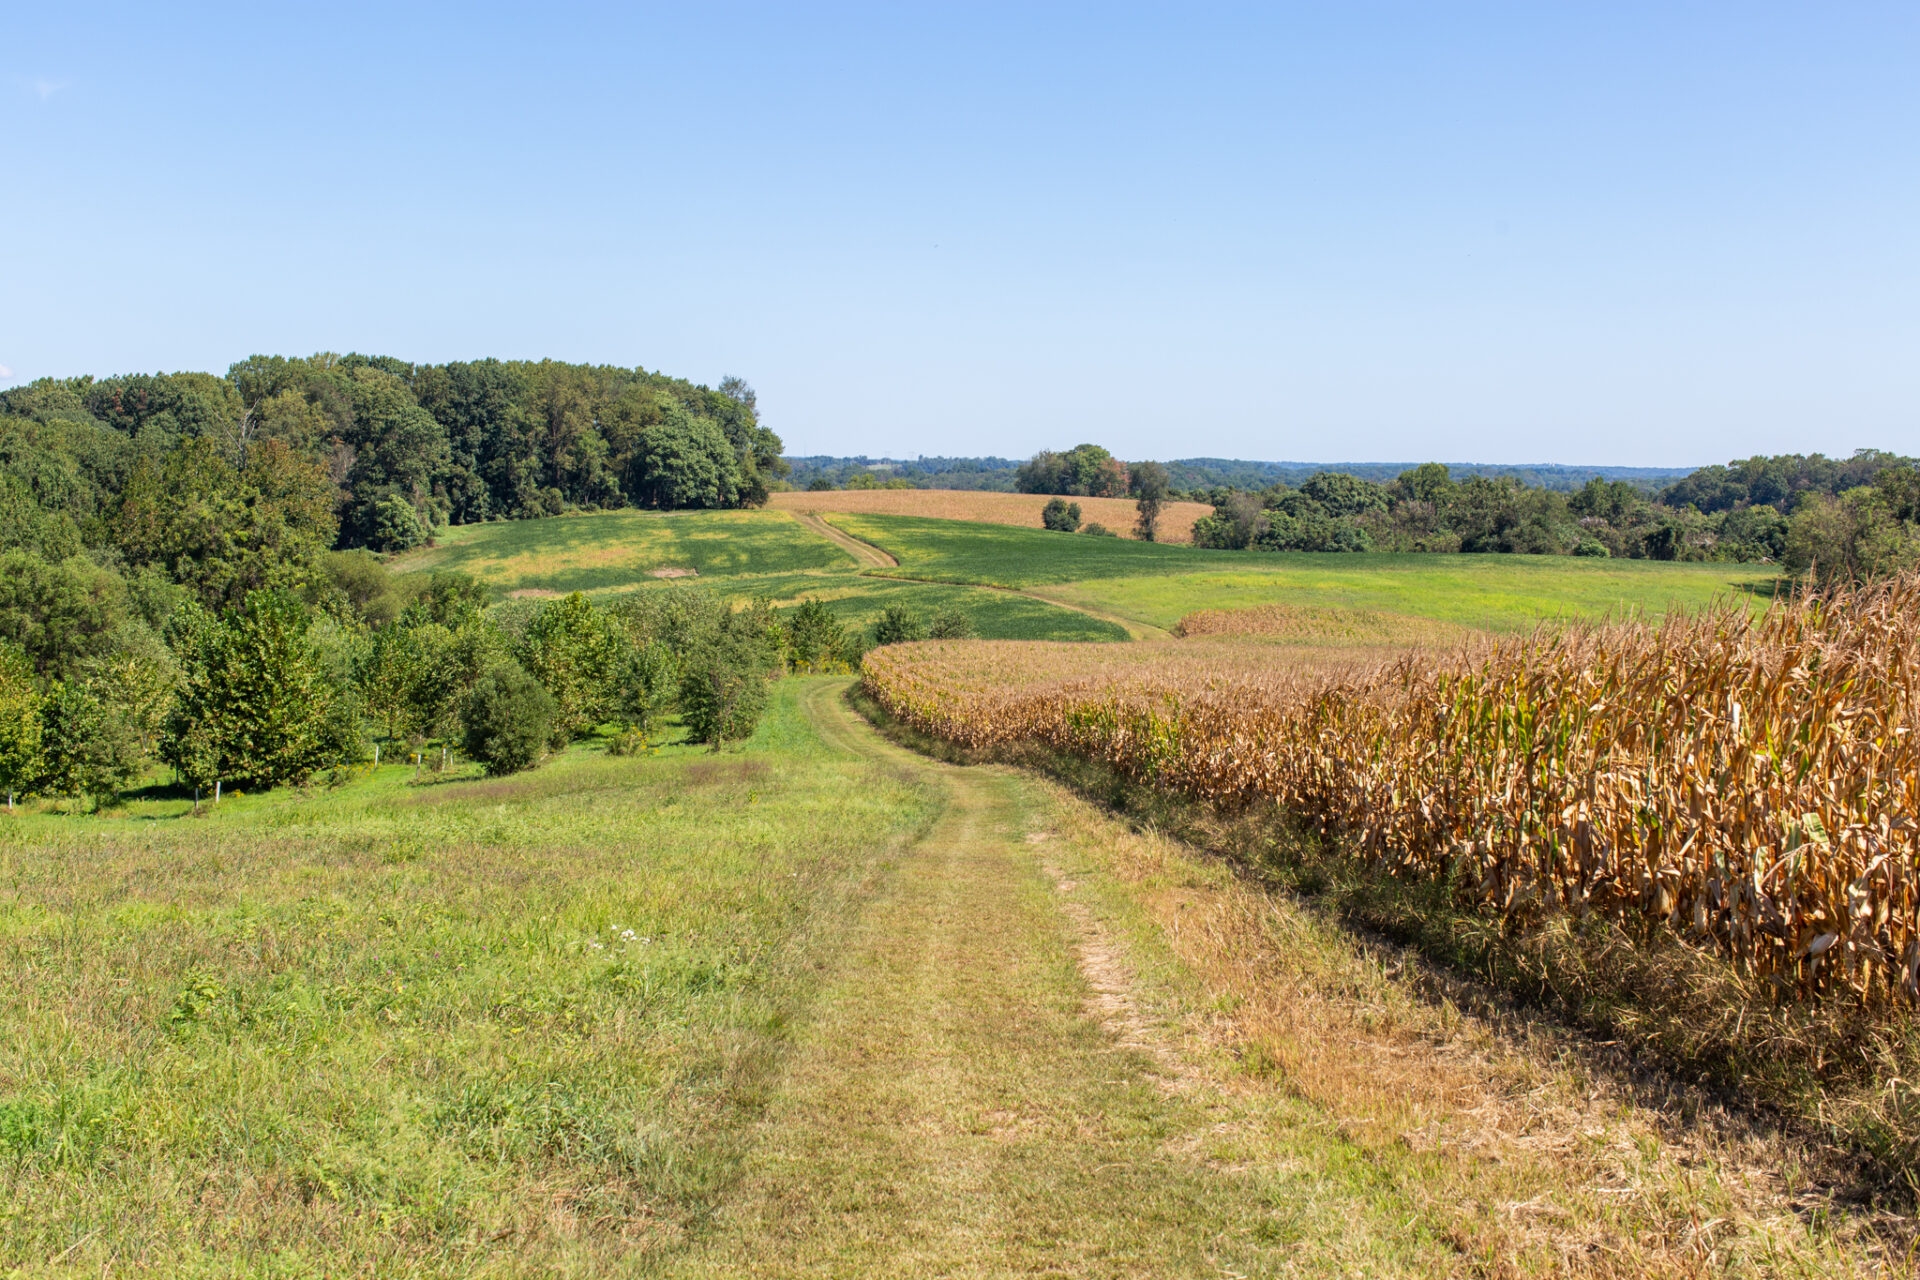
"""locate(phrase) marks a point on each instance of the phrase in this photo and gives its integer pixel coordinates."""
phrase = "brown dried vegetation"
(1721, 785)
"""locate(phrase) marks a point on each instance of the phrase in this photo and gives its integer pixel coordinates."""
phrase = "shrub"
(816, 640)
(1098, 530)
(723, 689)
(1061, 516)
(507, 719)
(898, 625)
(950, 624)
(630, 741)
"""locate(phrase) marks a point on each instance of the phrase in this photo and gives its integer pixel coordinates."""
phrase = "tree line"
(363, 451)
(100, 680)
(186, 573)
(1848, 517)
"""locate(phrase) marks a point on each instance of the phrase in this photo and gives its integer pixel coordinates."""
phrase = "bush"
(898, 626)
(86, 751)
(1061, 516)
(723, 688)
(1098, 530)
(507, 719)
(950, 624)
(1591, 547)
(816, 640)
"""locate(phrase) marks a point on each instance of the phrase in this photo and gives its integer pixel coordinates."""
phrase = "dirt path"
(865, 552)
(1057, 1047)
(980, 1093)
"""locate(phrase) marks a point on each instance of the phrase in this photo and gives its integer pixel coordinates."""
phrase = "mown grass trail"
(967, 1102)
(1056, 1047)
(821, 1007)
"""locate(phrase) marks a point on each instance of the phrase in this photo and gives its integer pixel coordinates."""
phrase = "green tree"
(59, 614)
(256, 704)
(684, 462)
(577, 652)
(1060, 516)
(1853, 537)
(225, 531)
(507, 720)
(723, 686)
(20, 725)
(390, 667)
(86, 750)
(816, 639)
(1084, 471)
(1149, 485)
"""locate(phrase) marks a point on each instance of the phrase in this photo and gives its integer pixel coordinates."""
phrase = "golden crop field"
(1295, 624)
(1750, 781)
(1117, 514)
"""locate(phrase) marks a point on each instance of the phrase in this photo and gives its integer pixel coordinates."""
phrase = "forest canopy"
(360, 451)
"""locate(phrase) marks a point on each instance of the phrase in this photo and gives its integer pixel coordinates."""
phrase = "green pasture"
(962, 551)
(399, 1025)
(1494, 592)
(611, 549)
(1158, 585)
(983, 570)
(738, 555)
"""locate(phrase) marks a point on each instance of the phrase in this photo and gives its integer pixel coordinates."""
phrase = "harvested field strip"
(1322, 624)
(1117, 514)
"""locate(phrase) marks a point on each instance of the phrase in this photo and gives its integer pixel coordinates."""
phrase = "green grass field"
(612, 549)
(1014, 582)
(738, 555)
(1158, 585)
(382, 1026)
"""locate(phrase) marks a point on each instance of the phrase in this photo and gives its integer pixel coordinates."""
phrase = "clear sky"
(1655, 234)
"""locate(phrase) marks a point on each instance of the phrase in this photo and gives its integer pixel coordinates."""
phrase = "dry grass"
(1521, 1147)
(1748, 782)
(1622, 803)
(1319, 625)
(1023, 509)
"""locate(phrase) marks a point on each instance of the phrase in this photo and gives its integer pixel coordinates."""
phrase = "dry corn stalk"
(1751, 782)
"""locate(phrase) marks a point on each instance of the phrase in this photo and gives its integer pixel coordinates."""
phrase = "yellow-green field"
(1026, 584)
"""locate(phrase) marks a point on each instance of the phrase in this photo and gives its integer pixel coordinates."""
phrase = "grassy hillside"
(620, 548)
(736, 554)
(951, 563)
(1159, 585)
(398, 1020)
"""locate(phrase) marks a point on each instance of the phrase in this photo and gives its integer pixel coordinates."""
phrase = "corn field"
(1748, 781)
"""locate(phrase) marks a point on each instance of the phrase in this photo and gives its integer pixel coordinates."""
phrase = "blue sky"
(1655, 234)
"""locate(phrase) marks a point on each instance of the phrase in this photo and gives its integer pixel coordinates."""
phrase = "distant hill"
(996, 474)
(1205, 473)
